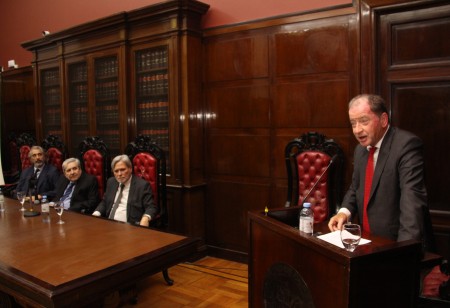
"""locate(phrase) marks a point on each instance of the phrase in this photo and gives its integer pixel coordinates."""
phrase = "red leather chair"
(55, 150)
(96, 160)
(25, 141)
(307, 158)
(149, 163)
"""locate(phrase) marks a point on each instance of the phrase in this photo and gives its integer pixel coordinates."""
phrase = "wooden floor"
(209, 282)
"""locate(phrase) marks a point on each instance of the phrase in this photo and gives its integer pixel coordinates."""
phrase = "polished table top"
(51, 257)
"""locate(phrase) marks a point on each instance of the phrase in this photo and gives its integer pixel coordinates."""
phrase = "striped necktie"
(68, 191)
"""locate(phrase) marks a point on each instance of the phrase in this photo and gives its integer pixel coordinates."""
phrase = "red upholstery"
(310, 166)
(149, 163)
(95, 160)
(55, 151)
(307, 158)
(24, 151)
(93, 164)
(25, 141)
(55, 157)
(145, 166)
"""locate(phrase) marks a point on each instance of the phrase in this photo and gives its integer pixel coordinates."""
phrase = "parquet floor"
(209, 282)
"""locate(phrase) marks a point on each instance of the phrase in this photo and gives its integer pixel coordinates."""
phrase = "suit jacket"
(398, 195)
(140, 200)
(85, 193)
(46, 182)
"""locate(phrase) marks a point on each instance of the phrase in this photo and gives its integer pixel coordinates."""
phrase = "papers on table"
(335, 239)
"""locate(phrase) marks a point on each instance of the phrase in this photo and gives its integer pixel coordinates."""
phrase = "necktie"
(68, 191)
(116, 204)
(367, 187)
(36, 173)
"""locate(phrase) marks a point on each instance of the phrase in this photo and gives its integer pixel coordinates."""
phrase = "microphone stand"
(318, 180)
(32, 183)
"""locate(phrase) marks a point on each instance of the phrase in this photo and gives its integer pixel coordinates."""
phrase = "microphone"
(333, 159)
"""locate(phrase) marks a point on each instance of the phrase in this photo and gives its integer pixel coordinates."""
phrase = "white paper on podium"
(335, 239)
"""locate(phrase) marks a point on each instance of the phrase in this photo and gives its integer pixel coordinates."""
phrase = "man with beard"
(41, 178)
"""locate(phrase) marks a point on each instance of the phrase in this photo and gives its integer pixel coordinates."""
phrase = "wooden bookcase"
(131, 73)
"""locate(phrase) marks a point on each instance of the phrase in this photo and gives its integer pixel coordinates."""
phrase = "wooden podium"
(382, 273)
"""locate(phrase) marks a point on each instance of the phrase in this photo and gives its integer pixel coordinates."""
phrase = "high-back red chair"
(55, 150)
(308, 158)
(96, 160)
(149, 163)
(24, 142)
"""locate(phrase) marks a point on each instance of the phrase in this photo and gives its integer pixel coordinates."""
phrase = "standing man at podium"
(391, 160)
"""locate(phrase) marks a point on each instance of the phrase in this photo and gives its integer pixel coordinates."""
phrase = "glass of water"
(59, 208)
(350, 236)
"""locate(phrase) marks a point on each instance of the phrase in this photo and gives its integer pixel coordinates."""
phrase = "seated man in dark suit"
(76, 189)
(127, 198)
(41, 177)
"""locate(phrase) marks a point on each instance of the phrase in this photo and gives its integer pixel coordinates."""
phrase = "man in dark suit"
(397, 199)
(41, 177)
(127, 198)
(76, 189)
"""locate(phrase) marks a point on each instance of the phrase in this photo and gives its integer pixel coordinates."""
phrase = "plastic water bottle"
(306, 221)
(2, 201)
(45, 209)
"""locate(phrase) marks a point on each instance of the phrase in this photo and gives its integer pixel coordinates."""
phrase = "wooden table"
(74, 264)
(383, 273)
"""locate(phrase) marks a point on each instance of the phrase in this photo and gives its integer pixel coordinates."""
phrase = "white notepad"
(335, 239)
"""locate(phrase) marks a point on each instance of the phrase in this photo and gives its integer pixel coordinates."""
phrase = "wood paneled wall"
(265, 86)
(410, 55)
(270, 81)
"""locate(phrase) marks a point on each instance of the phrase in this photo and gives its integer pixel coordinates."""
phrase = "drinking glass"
(59, 208)
(21, 197)
(350, 236)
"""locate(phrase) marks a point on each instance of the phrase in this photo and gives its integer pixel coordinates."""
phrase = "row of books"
(153, 84)
(79, 116)
(107, 90)
(106, 68)
(151, 59)
(50, 77)
(111, 138)
(153, 111)
(79, 92)
(51, 96)
(78, 72)
(107, 114)
(52, 117)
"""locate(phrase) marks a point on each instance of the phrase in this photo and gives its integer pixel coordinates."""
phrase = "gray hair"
(70, 160)
(36, 147)
(121, 158)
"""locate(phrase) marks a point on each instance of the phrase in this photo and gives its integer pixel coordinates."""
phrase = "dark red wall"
(23, 20)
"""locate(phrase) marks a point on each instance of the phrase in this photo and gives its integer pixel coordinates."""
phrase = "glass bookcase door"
(152, 96)
(51, 102)
(107, 102)
(78, 104)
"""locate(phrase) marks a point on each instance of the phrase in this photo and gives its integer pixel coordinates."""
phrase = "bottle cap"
(306, 204)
